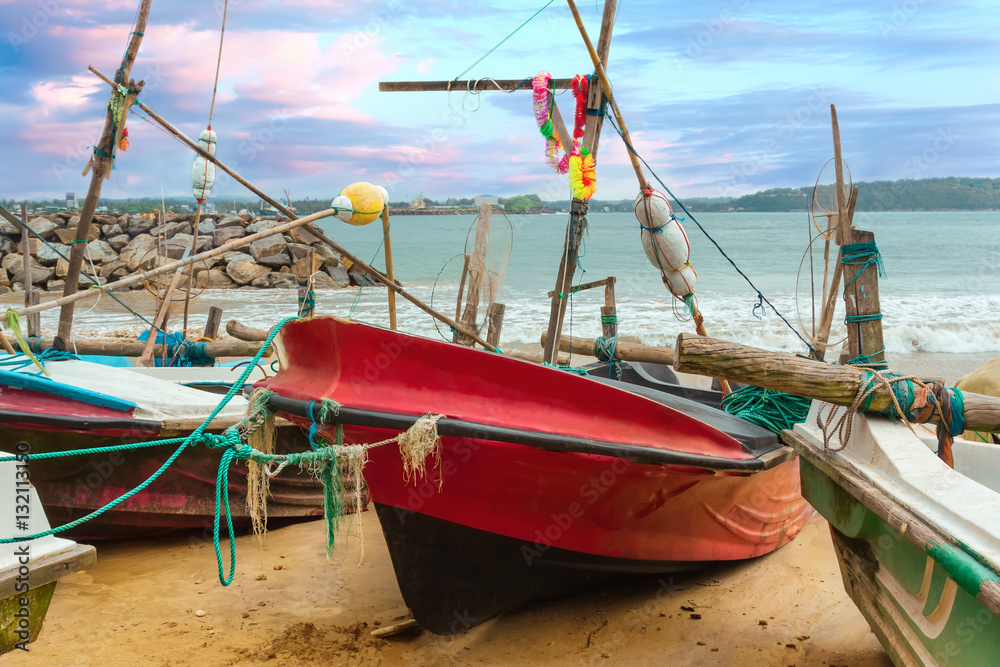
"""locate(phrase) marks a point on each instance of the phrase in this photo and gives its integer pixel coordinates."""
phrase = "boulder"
(206, 227)
(177, 245)
(107, 270)
(5, 281)
(236, 254)
(323, 281)
(267, 247)
(283, 280)
(245, 273)
(39, 274)
(168, 230)
(55, 286)
(104, 219)
(203, 265)
(301, 270)
(101, 252)
(140, 253)
(8, 262)
(279, 260)
(9, 228)
(339, 276)
(119, 242)
(44, 227)
(139, 225)
(298, 250)
(62, 268)
(260, 226)
(47, 256)
(112, 230)
(68, 235)
(231, 221)
(214, 279)
(326, 257)
(262, 281)
(7, 245)
(303, 235)
(359, 278)
(223, 235)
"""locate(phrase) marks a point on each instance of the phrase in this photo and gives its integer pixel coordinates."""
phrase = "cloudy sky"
(722, 97)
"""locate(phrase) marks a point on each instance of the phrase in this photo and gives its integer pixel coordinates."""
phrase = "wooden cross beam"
(472, 85)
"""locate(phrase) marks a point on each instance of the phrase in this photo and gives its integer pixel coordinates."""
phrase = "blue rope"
(21, 360)
(863, 255)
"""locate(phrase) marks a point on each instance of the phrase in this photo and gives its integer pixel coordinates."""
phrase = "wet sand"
(289, 606)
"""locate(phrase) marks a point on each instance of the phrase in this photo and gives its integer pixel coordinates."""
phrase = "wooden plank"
(102, 168)
(861, 299)
(477, 272)
(585, 286)
(49, 568)
(28, 282)
(609, 321)
(468, 85)
(623, 351)
(33, 298)
(565, 136)
(212, 325)
(113, 347)
(159, 323)
(388, 266)
(820, 381)
(495, 318)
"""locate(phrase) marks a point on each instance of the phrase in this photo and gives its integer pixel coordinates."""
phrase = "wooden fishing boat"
(87, 405)
(547, 480)
(918, 542)
(29, 570)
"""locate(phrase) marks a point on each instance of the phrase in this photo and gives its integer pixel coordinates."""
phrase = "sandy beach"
(142, 602)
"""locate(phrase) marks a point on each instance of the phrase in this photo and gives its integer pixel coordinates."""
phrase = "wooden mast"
(577, 225)
(102, 163)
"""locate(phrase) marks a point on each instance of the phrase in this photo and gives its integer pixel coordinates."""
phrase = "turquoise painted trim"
(41, 383)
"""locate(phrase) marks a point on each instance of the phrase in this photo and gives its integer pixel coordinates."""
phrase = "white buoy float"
(203, 171)
(665, 242)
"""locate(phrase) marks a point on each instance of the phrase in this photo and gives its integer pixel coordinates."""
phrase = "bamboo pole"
(388, 266)
(623, 351)
(102, 163)
(820, 381)
(606, 84)
(131, 348)
(357, 261)
(826, 318)
(190, 272)
(843, 226)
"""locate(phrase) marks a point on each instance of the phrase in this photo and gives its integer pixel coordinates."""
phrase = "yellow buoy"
(367, 201)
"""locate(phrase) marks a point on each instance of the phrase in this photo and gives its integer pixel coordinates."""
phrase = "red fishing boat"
(547, 480)
(85, 405)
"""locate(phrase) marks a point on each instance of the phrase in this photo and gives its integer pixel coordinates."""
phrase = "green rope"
(229, 441)
(500, 43)
(774, 410)
(863, 255)
(568, 369)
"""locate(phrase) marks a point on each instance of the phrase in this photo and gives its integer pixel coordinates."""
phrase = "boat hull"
(921, 616)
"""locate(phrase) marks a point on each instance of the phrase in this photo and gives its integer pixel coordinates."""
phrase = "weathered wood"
(609, 321)
(190, 271)
(861, 299)
(830, 296)
(133, 348)
(594, 123)
(173, 266)
(591, 285)
(565, 136)
(843, 225)
(306, 309)
(336, 247)
(396, 628)
(244, 332)
(29, 283)
(495, 317)
(468, 85)
(477, 272)
(388, 266)
(8, 348)
(623, 351)
(606, 84)
(804, 377)
(159, 322)
(102, 163)
(212, 324)
(535, 358)
(33, 298)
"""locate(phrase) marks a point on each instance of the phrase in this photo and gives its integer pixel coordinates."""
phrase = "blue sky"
(723, 98)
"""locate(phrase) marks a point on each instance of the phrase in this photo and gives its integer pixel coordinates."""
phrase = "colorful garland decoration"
(581, 88)
(540, 98)
(582, 173)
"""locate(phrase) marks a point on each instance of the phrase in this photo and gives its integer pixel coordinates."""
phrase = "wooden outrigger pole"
(101, 162)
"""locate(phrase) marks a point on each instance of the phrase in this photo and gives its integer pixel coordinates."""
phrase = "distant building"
(486, 199)
(70, 201)
(417, 203)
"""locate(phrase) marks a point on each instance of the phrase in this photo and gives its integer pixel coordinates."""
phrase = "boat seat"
(656, 376)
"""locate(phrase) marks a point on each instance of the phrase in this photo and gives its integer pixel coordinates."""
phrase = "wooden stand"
(477, 272)
(388, 266)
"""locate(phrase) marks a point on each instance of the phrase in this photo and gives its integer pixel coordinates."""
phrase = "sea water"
(940, 296)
